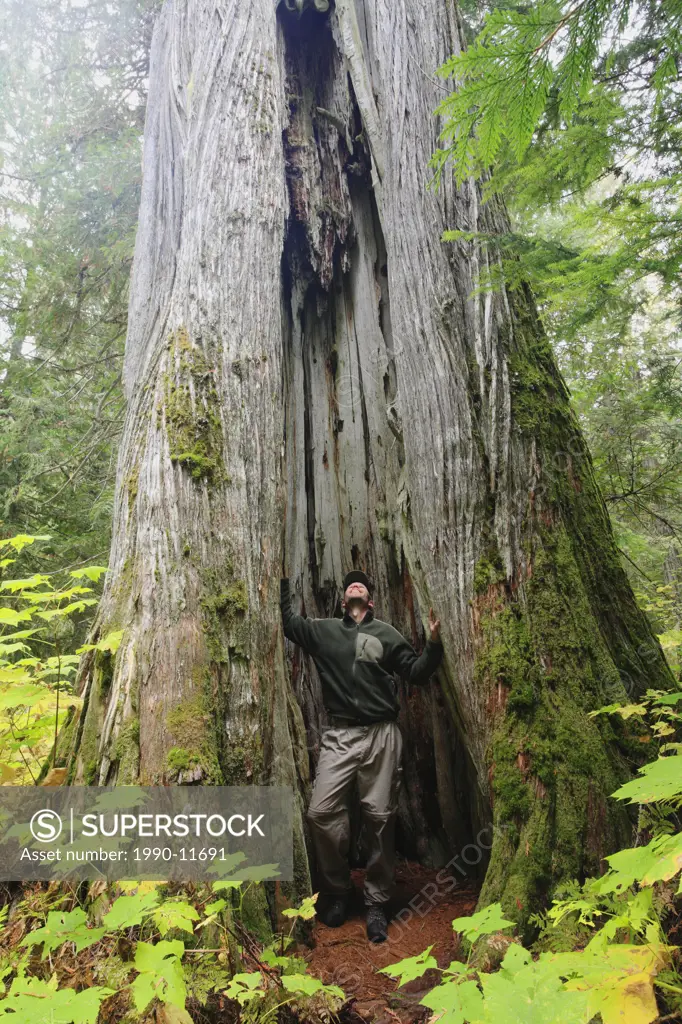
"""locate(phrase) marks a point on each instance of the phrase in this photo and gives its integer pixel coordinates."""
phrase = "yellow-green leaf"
(91, 572)
(22, 540)
(411, 967)
(175, 915)
(619, 982)
(26, 584)
(9, 617)
(660, 780)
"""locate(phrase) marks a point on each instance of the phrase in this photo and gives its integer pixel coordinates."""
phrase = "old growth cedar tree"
(301, 341)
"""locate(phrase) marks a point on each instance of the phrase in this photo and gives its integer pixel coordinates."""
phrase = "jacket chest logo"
(368, 648)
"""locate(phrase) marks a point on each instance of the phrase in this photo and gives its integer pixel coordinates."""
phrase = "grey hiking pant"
(371, 755)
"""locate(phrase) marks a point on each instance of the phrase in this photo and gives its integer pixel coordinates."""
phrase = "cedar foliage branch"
(504, 79)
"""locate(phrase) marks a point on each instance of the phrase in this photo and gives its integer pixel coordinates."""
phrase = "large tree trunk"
(301, 339)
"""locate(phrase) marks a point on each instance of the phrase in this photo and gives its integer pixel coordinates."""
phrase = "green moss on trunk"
(195, 758)
(567, 492)
(546, 665)
(128, 753)
(226, 620)
(131, 485)
(59, 755)
(255, 912)
(243, 762)
(560, 639)
(191, 411)
(86, 760)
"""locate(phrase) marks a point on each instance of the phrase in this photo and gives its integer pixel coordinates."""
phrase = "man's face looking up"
(356, 599)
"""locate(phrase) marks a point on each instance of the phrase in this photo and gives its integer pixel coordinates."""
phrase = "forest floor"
(344, 956)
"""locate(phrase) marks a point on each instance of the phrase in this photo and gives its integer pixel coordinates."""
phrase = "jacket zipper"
(355, 649)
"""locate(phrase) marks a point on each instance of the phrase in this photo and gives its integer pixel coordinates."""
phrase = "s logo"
(45, 825)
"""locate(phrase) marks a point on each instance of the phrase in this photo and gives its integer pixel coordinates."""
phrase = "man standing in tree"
(356, 657)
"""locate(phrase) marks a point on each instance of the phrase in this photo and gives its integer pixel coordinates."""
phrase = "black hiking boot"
(334, 914)
(377, 925)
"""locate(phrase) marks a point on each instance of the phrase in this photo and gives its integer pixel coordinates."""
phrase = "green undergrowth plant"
(37, 662)
(138, 949)
(604, 950)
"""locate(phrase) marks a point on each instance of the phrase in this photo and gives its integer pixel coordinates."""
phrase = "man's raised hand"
(434, 625)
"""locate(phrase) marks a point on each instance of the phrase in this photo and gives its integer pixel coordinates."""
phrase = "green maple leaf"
(92, 572)
(129, 910)
(61, 927)
(658, 861)
(301, 983)
(35, 1001)
(227, 883)
(9, 617)
(617, 980)
(485, 922)
(22, 539)
(455, 1002)
(21, 695)
(175, 915)
(306, 909)
(411, 967)
(660, 780)
(32, 581)
(245, 986)
(160, 974)
(531, 991)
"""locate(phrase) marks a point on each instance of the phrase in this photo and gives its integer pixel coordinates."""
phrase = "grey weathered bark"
(300, 339)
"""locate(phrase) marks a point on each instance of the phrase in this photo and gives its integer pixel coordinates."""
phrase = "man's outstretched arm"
(418, 668)
(302, 631)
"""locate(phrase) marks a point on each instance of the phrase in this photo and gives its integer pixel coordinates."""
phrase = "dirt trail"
(344, 956)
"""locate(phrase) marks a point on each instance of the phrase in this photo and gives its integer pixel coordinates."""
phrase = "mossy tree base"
(544, 665)
(556, 639)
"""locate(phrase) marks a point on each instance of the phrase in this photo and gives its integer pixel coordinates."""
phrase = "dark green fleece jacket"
(356, 661)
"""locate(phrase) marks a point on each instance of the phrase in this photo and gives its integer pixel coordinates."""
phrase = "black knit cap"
(357, 576)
